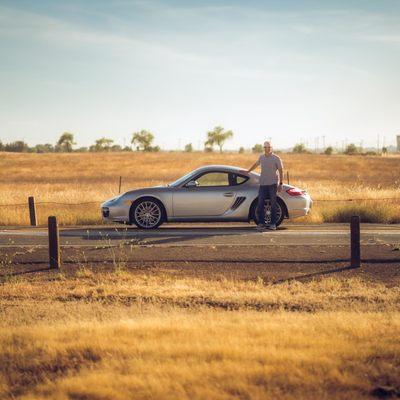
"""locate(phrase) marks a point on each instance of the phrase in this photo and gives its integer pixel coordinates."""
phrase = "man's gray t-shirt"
(269, 169)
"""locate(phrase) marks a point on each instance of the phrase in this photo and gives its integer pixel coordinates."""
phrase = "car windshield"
(181, 179)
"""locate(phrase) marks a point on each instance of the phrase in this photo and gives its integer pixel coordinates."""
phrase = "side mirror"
(191, 184)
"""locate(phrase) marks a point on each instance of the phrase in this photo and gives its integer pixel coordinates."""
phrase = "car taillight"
(295, 192)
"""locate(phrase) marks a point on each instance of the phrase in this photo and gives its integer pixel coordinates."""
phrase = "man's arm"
(254, 166)
(280, 183)
(280, 170)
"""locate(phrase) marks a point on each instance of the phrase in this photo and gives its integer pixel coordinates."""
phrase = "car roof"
(229, 168)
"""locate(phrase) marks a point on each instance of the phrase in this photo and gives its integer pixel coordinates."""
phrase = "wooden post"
(120, 181)
(54, 243)
(355, 241)
(287, 177)
(32, 211)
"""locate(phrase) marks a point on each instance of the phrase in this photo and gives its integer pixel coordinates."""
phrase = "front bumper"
(114, 213)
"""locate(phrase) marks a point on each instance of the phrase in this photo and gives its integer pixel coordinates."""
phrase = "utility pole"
(323, 142)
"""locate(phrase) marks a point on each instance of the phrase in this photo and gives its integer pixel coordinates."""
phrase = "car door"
(212, 196)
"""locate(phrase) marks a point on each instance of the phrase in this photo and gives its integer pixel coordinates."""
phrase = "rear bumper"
(300, 207)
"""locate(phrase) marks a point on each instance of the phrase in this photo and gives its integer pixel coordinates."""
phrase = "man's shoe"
(271, 227)
(261, 227)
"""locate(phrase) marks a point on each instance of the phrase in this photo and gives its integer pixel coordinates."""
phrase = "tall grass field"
(116, 336)
(65, 181)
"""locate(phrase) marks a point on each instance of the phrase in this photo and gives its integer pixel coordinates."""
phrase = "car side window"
(236, 179)
(213, 179)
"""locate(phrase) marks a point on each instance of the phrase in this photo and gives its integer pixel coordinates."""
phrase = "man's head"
(267, 147)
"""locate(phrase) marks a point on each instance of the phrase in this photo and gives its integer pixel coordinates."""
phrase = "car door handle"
(228, 194)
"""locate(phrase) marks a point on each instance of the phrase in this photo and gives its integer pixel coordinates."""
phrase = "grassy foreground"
(113, 335)
(94, 177)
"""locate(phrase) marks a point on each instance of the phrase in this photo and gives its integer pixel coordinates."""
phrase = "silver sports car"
(211, 193)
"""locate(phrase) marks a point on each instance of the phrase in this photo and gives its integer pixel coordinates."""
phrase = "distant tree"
(81, 150)
(17, 147)
(116, 147)
(241, 150)
(44, 148)
(218, 137)
(143, 141)
(208, 149)
(1, 146)
(351, 149)
(257, 148)
(384, 151)
(66, 142)
(102, 144)
(299, 148)
(189, 148)
(328, 151)
(126, 148)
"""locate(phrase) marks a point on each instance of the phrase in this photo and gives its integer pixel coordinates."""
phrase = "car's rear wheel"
(147, 213)
(280, 214)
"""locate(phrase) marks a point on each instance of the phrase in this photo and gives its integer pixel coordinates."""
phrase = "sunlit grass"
(81, 178)
(117, 336)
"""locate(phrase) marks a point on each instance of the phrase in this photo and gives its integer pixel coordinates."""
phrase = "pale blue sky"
(282, 69)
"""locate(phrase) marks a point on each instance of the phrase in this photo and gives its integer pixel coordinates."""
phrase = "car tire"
(147, 213)
(280, 212)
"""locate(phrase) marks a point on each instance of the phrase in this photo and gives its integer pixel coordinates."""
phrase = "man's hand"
(280, 186)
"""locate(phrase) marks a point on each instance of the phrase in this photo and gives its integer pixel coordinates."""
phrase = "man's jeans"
(267, 191)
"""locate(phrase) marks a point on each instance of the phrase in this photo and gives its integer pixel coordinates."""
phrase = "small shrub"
(257, 148)
(328, 151)
(351, 149)
(189, 148)
(299, 148)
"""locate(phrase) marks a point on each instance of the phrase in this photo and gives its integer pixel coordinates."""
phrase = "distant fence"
(101, 201)
(31, 204)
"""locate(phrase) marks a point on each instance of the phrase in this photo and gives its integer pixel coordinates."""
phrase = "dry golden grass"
(94, 177)
(115, 336)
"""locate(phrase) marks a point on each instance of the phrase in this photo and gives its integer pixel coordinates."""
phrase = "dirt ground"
(272, 264)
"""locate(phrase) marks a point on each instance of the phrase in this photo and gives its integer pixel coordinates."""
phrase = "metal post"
(32, 211)
(120, 181)
(287, 177)
(54, 243)
(355, 241)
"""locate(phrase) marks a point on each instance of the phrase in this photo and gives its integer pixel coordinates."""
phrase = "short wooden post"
(287, 177)
(32, 211)
(54, 243)
(120, 182)
(355, 241)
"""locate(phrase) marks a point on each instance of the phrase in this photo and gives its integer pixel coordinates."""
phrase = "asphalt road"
(172, 235)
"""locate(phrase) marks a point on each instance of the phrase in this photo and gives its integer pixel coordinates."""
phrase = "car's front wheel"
(147, 214)
(280, 215)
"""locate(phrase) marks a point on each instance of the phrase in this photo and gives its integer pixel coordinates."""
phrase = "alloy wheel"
(148, 214)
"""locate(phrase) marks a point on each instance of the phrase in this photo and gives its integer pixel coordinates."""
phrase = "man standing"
(270, 184)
